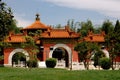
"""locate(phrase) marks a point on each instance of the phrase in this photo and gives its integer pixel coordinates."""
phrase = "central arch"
(67, 48)
(15, 51)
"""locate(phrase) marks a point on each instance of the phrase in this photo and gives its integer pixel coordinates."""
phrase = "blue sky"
(53, 12)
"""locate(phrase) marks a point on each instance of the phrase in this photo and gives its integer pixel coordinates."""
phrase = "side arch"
(15, 51)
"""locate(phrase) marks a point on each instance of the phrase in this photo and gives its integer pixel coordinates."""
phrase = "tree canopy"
(107, 26)
(85, 27)
(117, 26)
(7, 23)
(84, 50)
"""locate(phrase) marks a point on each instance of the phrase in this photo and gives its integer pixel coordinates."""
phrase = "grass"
(57, 74)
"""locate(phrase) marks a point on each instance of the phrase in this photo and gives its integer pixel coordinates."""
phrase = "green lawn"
(57, 74)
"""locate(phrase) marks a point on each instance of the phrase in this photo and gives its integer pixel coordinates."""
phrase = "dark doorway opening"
(19, 58)
(61, 54)
(40, 56)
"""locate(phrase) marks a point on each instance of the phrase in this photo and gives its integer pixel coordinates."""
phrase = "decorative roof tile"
(15, 38)
(37, 24)
(95, 38)
(59, 33)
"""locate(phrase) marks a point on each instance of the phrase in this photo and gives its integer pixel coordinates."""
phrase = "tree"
(117, 26)
(85, 27)
(7, 24)
(84, 50)
(107, 26)
(105, 63)
(116, 40)
(97, 30)
(30, 42)
(112, 40)
(58, 26)
(6, 20)
(116, 37)
(71, 23)
(97, 56)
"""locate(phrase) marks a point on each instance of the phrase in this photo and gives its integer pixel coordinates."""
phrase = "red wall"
(46, 51)
(47, 48)
(7, 51)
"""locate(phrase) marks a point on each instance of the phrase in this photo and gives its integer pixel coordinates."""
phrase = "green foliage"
(81, 48)
(18, 57)
(32, 63)
(117, 26)
(31, 34)
(84, 50)
(7, 22)
(112, 41)
(1, 57)
(72, 24)
(84, 47)
(58, 26)
(105, 63)
(29, 42)
(85, 27)
(35, 33)
(97, 55)
(51, 62)
(97, 30)
(4, 44)
(107, 26)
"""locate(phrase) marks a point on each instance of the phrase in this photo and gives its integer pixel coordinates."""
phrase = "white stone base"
(41, 64)
(7, 65)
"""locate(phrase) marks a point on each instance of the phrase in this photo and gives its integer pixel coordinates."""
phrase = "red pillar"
(6, 55)
(46, 52)
(75, 56)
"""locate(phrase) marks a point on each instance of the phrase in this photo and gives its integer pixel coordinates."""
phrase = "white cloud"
(21, 21)
(107, 7)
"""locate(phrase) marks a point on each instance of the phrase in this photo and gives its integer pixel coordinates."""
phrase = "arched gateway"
(14, 52)
(67, 48)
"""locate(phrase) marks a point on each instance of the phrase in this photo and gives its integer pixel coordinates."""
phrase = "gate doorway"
(62, 56)
(11, 55)
(19, 60)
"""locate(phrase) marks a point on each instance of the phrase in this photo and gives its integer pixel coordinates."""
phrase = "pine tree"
(117, 26)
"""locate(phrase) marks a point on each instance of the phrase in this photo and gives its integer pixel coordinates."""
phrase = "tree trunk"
(86, 64)
(112, 63)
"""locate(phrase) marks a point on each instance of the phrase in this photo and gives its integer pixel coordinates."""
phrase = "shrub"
(97, 56)
(32, 63)
(105, 63)
(51, 62)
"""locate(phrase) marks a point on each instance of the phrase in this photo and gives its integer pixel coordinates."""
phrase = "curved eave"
(15, 41)
(33, 28)
(59, 37)
(97, 41)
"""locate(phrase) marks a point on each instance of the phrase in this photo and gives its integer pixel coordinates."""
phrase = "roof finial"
(37, 16)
